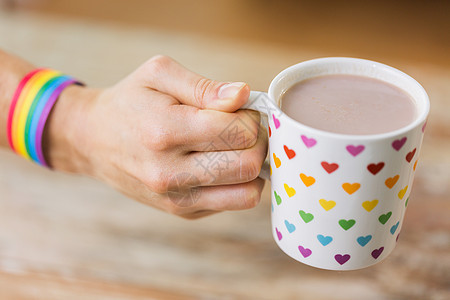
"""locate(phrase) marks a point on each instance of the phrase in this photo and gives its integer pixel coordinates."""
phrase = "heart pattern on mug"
(276, 161)
(369, 205)
(345, 220)
(290, 191)
(402, 192)
(327, 205)
(350, 188)
(398, 144)
(355, 150)
(375, 168)
(307, 180)
(391, 181)
(364, 240)
(277, 198)
(307, 217)
(309, 142)
(304, 251)
(289, 152)
(276, 122)
(342, 259)
(330, 168)
(324, 240)
(410, 155)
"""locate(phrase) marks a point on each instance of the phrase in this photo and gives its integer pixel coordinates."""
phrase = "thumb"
(167, 76)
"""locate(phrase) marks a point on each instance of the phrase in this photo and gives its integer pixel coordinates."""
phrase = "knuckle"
(160, 140)
(157, 64)
(202, 87)
(158, 180)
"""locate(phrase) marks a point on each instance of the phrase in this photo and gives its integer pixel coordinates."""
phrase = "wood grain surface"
(71, 237)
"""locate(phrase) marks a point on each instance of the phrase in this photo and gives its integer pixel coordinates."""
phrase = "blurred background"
(70, 237)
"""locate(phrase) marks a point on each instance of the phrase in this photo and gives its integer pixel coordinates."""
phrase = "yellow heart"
(277, 161)
(350, 188)
(402, 192)
(327, 205)
(391, 181)
(289, 190)
(369, 205)
(270, 167)
(307, 180)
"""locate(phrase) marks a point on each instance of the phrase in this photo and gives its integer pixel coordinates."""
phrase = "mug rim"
(422, 115)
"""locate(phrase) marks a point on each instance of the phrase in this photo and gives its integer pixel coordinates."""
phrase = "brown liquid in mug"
(349, 104)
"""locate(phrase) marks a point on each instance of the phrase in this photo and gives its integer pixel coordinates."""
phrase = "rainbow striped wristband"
(30, 107)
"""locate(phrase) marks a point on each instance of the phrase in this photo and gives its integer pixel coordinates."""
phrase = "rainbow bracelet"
(30, 107)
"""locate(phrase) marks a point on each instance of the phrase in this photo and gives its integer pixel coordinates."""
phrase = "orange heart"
(327, 205)
(307, 180)
(369, 205)
(290, 191)
(391, 181)
(402, 192)
(277, 161)
(350, 188)
(415, 165)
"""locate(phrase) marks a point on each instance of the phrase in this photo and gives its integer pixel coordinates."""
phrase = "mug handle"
(260, 102)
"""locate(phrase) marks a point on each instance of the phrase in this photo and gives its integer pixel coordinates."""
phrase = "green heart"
(277, 198)
(347, 224)
(307, 217)
(384, 218)
(406, 202)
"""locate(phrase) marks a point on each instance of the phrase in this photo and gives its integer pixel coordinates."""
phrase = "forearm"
(63, 132)
(12, 70)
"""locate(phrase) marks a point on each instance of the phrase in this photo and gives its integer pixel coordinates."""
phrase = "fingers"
(210, 130)
(214, 199)
(163, 74)
(227, 167)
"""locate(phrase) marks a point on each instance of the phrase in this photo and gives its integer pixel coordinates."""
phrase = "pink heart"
(355, 150)
(309, 142)
(342, 259)
(304, 251)
(276, 122)
(377, 252)
(279, 235)
(398, 144)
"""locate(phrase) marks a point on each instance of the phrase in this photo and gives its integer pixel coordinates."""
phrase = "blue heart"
(394, 228)
(272, 207)
(324, 240)
(290, 227)
(363, 240)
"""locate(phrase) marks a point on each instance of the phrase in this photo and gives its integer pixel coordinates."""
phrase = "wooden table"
(68, 237)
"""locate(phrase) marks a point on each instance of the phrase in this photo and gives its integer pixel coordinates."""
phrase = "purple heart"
(342, 259)
(398, 144)
(309, 142)
(377, 252)
(355, 150)
(279, 235)
(276, 122)
(304, 251)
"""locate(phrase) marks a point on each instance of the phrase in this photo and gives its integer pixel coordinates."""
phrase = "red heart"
(289, 152)
(375, 168)
(330, 168)
(270, 132)
(410, 155)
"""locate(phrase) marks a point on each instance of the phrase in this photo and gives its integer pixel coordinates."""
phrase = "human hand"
(154, 135)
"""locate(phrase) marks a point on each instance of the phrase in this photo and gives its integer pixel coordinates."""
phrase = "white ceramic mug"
(338, 201)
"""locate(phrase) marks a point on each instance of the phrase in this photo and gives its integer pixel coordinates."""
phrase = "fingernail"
(230, 90)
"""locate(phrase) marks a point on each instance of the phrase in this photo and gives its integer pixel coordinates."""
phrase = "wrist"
(65, 135)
